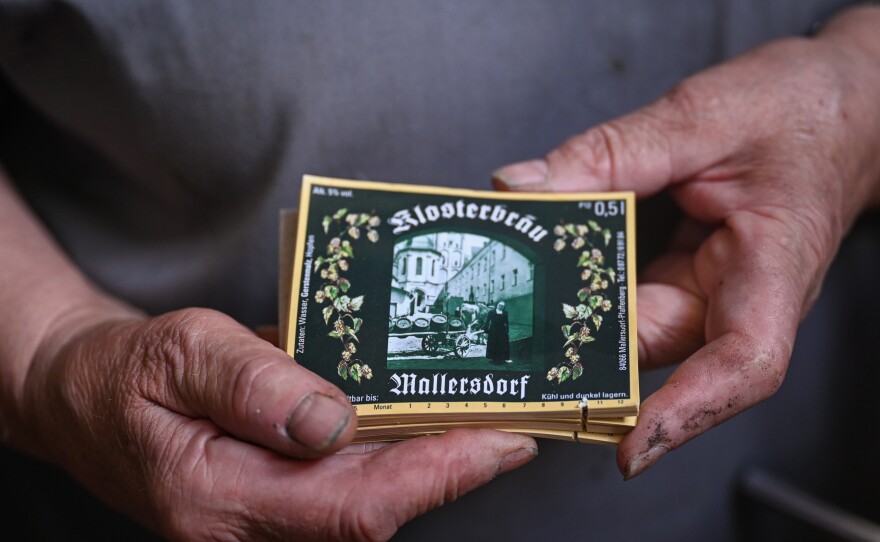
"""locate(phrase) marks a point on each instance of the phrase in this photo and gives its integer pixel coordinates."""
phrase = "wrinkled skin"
(195, 426)
(180, 421)
(770, 156)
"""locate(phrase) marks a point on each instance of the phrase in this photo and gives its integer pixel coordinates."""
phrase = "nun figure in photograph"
(498, 335)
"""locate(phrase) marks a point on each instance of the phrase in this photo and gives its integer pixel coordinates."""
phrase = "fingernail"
(516, 459)
(642, 461)
(521, 175)
(318, 421)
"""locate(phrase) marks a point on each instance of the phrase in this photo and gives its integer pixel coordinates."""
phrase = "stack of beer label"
(436, 308)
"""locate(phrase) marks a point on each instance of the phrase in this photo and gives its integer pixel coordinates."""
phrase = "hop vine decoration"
(334, 290)
(585, 318)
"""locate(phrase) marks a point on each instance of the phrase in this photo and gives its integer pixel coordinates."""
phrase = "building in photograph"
(438, 272)
(423, 264)
(495, 273)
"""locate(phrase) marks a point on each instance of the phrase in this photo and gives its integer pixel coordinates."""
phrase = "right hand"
(771, 156)
(199, 429)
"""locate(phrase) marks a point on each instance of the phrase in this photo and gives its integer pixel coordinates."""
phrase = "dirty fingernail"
(317, 421)
(644, 460)
(521, 175)
(516, 459)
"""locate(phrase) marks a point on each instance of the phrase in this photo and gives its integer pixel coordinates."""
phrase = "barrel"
(456, 323)
(403, 324)
(421, 323)
(438, 322)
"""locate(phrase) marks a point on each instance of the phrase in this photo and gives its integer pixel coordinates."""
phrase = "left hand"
(771, 156)
(199, 430)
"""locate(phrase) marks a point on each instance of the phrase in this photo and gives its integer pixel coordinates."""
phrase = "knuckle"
(684, 103)
(181, 333)
(764, 367)
(161, 340)
(174, 344)
(370, 524)
(594, 152)
(807, 241)
(249, 378)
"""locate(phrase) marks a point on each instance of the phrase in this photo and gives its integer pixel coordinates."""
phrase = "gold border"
(596, 408)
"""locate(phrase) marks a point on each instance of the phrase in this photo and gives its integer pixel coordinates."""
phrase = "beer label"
(429, 301)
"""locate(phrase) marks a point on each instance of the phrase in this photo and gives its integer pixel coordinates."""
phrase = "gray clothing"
(159, 139)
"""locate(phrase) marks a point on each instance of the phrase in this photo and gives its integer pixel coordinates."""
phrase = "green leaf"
(356, 324)
(607, 235)
(331, 291)
(564, 373)
(583, 293)
(584, 260)
(576, 370)
(344, 285)
(342, 370)
(339, 214)
(363, 219)
(355, 372)
(595, 301)
(356, 303)
(351, 334)
(328, 312)
(318, 262)
(589, 339)
(569, 311)
(346, 250)
(583, 311)
(597, 321)
(341, 304)
(570, 229)
(571, 338)
(566, 330)
(611, 275)
(594, 226)
(334, 335)
(326, 224)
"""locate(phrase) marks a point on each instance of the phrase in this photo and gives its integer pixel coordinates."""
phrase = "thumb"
(220, 370)
(672, 139)
(409, 478)
(369, 496)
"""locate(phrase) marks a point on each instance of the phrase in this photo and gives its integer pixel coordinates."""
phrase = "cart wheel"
(462, 345)
(430, 344)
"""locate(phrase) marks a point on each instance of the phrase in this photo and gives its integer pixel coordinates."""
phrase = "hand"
(198, 429)
(770, 156)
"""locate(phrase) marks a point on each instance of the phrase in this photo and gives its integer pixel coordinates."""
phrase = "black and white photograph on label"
(460, 298)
